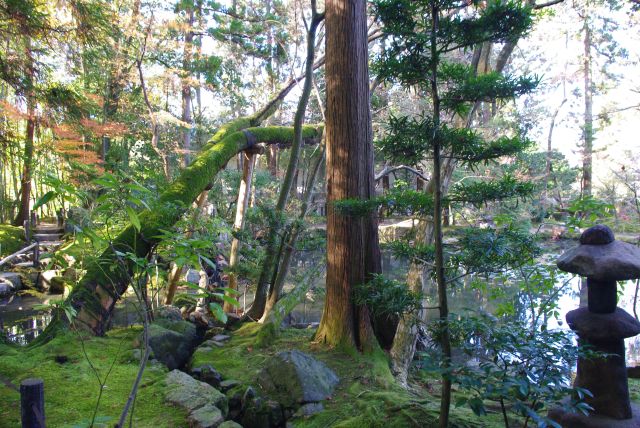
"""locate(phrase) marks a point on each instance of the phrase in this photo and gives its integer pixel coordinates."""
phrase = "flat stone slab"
(191, 394)
(208, 416)
(602, 327)
(220, 337)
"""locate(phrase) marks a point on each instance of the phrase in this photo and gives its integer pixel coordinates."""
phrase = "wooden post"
(34, 218)
(32, 403)
(27, 230)
(61, 217)
(36, 255)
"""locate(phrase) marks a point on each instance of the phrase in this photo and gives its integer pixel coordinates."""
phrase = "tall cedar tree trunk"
(349, 174)
(244, 192)
(265, 288)
(25, 193)
(186, 87)
(587, 154)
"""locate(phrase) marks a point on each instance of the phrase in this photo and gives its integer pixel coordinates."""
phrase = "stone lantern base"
(575, 420)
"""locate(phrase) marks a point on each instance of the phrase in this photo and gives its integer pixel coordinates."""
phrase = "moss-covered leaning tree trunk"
(106, 280)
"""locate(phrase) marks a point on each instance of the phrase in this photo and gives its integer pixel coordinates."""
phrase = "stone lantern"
(603, 326)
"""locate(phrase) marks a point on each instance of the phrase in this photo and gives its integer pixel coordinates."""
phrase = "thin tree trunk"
(25, 193)
(547, 169)
(244, 192)
(289, 250)
(403, 350)
(264, 288)
(186, 87)
(175, 273)
(155, 126)
(587, 156)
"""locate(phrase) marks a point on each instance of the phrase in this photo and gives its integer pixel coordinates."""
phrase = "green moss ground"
(11, 239)
(367, 396)
(71, 388)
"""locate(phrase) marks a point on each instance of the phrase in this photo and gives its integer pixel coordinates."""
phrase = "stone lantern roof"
(601, 257)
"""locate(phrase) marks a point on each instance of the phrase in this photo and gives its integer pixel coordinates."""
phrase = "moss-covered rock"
(172, 342)
(295, 378)
(191, 394)
(57, 285)
(366, 397)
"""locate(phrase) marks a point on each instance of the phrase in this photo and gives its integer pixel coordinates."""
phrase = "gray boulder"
(172, 342)
(260, 413)
(191, 394)
(13, 278)
(230, 424)
(168, 312)
(207, 416)
(207, 374)
(295, 378)
(6, 289)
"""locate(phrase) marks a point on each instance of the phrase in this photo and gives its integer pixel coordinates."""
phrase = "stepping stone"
(41, 237)
(221, 337)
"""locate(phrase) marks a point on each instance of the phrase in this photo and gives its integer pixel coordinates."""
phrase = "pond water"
(22, 323)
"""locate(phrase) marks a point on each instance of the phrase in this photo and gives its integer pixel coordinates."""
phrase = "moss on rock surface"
(71, 388)
(366, 397)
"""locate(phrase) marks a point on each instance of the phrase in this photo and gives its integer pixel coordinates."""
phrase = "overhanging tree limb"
(104, 282)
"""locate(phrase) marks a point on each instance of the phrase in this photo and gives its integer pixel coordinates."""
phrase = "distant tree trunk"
(404, 344)
(176, 272)
(244, 192)
(186, 86)
(289, 249)
(117, 75)
(25, 192)
(272, 160)
(348, 137)
(587, 155)
(547, 168)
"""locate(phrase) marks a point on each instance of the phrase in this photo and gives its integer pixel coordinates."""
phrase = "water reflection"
(20, 322)
(23, 323)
